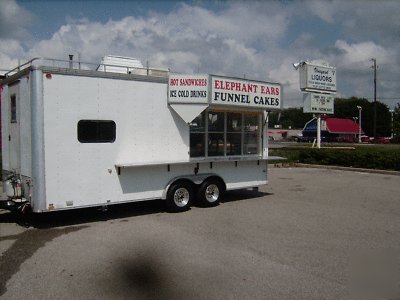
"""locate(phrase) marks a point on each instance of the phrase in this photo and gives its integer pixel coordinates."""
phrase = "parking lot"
(309, 234)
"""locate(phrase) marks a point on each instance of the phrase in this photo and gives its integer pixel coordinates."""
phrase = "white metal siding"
(146, 131)
(25, 126)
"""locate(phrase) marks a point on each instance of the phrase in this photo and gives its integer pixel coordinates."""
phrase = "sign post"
(319, 131)
(318, 80)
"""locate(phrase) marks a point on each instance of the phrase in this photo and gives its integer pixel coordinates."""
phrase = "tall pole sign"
(318, 82)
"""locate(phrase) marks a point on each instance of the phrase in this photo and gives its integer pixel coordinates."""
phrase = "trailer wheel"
(180, 196)
(210, 192)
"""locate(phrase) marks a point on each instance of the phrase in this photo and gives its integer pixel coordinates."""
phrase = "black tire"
(210, 192)
(179, 196)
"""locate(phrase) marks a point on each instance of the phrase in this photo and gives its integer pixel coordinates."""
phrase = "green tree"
(273, 119)
(289, 117)
(344, 108)
(347, 108)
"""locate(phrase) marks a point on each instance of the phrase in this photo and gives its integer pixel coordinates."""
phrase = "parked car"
(365, 139)
(346, 139)
(305, 139)
(395, 139)
(382, 140)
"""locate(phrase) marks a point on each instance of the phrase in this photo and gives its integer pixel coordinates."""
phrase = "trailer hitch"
(7, 204)
(13, 206)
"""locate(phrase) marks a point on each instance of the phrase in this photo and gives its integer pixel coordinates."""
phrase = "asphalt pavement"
(309, 234)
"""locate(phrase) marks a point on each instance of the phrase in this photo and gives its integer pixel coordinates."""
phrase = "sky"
(256, 39)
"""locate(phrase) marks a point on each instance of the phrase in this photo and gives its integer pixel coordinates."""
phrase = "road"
(309, 234)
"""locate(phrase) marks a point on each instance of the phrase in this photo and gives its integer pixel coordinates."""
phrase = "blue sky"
(57, 12)
(259, 39)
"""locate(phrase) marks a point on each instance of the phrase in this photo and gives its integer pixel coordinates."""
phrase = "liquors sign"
(317, 78)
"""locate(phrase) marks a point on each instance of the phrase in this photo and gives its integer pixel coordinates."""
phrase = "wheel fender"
(193, 179)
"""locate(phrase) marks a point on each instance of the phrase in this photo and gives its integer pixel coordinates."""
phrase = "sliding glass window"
(223, 133)
(252, 138)
(216, 133)
(198, 136)
(234, 134)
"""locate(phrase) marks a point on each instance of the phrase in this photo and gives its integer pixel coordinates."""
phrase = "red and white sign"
(223, 91)
(248, 93)
(188, 88)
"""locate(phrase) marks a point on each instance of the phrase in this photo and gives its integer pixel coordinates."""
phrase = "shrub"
(361, 157)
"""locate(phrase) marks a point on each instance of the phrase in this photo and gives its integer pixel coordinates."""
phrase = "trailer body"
(76, 138)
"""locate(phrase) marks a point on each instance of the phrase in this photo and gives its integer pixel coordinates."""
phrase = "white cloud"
(13, 20)
(252, 38)
(376, 20)
(188, 39)
(10, 52)
(289, 78)
(361, 53)
(323, 9)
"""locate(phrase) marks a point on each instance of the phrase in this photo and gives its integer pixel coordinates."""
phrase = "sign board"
(223, 91)
(245, 93)
(318, 103)
(188, 89)
(315, 77)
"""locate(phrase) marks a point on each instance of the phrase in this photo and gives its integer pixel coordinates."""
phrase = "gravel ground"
(309, 234)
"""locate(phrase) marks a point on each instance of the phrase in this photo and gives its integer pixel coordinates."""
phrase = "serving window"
(223, 133)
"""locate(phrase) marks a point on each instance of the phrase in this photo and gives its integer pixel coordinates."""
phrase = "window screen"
(96, 131)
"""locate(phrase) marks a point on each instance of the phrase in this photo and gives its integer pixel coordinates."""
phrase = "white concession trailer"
(76, 135)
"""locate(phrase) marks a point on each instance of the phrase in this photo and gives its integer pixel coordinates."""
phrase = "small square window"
(96, 131)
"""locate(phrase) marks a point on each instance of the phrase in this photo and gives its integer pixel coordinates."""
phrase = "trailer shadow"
(113, 212)
(25, 245)
(83, 215)
(239, 195)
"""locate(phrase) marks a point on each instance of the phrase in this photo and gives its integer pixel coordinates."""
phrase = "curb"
(351, 169)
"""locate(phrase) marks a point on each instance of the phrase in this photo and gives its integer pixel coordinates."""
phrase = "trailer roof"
(79, 68)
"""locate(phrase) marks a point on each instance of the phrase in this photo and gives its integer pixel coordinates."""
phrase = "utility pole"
(359, 123)
(374, 66)
(392, 123)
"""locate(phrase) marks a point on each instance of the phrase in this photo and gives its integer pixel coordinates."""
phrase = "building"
(284, 134)
(333, 130)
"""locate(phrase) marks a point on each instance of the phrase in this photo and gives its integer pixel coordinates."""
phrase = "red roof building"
(333, 129)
